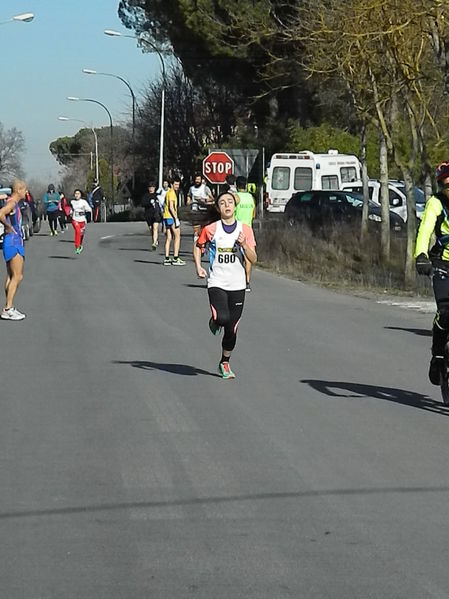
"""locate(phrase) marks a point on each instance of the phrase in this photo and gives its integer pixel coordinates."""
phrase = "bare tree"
(12, 145)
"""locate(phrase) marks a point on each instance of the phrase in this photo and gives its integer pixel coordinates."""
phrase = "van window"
(329, 182)
(348, 174)
(281, 178)
(303, 178)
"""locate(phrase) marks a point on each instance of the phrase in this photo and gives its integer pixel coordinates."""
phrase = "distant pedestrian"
(61, 213)
(245, 211)
(51, 202)
(97, 200)
(153, 213)
(162, 192)
(65, 207)
(79, 209)
(172, 225)
(13, 249)
(230, 184)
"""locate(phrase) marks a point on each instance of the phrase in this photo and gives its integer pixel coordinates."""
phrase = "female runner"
(231, 244)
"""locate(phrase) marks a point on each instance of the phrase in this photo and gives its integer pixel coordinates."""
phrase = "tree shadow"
(359, 391)
(181, 369)
(419, 332)
(63, 257)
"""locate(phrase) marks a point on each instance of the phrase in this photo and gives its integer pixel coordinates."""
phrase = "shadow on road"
(217, 500)
(160, 263)
(182, 369)
(358, 391)
(420, 332)
(134, 249)
(63, 257)
(195, 285)
(65, 240)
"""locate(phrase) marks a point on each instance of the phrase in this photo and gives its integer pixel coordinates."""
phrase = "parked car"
(396, 195)
(320, 208)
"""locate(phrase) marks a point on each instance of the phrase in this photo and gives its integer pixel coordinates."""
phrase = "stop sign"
(217, 166)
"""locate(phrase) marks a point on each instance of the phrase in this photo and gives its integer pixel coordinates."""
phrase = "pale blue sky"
(42, 64)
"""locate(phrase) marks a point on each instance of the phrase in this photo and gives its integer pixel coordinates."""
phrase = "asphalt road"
(129, 469)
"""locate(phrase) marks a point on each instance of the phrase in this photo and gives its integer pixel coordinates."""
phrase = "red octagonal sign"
(217, 166)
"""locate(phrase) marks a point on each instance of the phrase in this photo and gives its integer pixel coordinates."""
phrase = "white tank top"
(226, 260)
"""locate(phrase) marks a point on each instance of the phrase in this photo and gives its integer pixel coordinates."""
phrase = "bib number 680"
(226, 258)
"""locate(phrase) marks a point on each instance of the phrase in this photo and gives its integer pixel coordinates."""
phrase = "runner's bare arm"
(4, 212)
(250, 253)
(200, 271)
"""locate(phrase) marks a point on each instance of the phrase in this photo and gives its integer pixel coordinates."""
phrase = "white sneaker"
(11, 314)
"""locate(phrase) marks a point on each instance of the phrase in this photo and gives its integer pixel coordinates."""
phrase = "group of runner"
(229, 237)
(13, 243)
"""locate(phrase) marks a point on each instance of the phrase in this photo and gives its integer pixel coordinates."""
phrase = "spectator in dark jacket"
(97, 199)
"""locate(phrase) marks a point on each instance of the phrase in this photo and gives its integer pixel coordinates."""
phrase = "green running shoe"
(225, 370)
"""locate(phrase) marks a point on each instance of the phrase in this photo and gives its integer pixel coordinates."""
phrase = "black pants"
(61, 220)
(227, 308)
(441, 322)
(53, 220)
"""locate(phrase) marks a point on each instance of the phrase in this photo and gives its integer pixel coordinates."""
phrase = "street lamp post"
(75, 99)
(133, 96)
(113, 33)
(68, 118)
(25, 17)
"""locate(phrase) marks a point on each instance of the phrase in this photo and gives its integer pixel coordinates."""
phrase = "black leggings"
(227, 308)
(441, 322)
(53, 220)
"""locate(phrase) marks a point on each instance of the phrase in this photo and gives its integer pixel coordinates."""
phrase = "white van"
(289, 173)
(396, 194)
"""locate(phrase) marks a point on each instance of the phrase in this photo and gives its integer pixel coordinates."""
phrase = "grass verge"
(335, 258)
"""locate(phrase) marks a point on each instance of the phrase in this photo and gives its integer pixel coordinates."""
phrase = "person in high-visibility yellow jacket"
(435, 221)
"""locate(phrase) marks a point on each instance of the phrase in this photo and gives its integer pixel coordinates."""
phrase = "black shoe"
(248, 288)
(436, 369)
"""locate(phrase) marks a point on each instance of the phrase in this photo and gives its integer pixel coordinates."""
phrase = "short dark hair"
(241, 182)
(225, 193)
(196, 175)
(77, 189)
(151, 184)
(176, 180)
(230, 179)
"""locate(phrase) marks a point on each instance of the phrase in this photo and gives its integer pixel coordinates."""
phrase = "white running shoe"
(11, 314)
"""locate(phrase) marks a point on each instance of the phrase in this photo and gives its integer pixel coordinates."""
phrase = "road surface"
(129, 469)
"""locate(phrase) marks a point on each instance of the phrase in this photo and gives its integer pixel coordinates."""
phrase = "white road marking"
(107, 237)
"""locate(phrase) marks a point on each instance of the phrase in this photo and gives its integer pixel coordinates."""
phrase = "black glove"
(423, 265)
